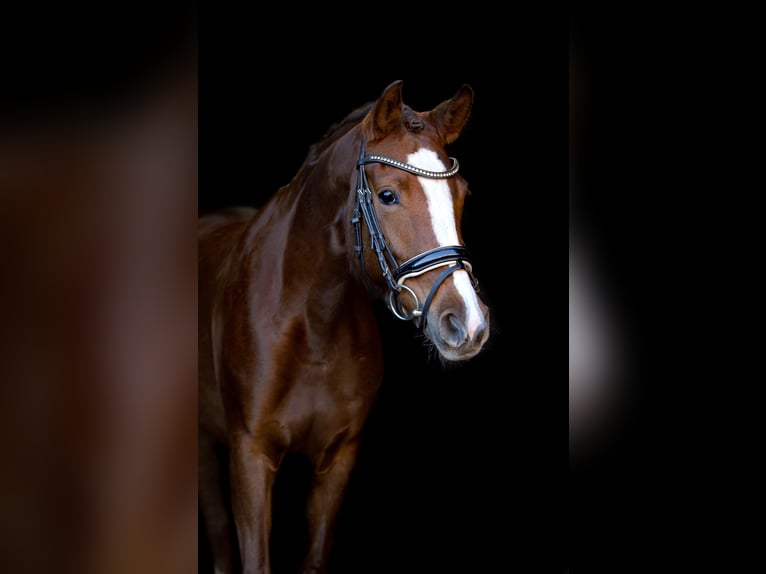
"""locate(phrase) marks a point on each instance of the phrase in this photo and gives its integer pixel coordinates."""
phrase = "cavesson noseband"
(453, 257)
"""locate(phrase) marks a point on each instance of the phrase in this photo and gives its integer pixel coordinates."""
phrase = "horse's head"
(410, 197)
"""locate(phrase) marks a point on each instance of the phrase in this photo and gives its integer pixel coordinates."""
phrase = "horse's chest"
(325, 399)
(326, 390)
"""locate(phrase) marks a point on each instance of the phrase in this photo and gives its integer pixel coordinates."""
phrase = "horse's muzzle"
(458, 326)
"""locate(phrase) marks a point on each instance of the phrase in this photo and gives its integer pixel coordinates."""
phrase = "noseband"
(453, 257)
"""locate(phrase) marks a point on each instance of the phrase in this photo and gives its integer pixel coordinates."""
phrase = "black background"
(661, 97)
(462, 469)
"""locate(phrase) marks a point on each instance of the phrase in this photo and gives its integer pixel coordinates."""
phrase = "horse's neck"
(303, 231)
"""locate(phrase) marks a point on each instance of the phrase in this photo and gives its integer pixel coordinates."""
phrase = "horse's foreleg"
(323, 506)
(252, 478)
(213, 505)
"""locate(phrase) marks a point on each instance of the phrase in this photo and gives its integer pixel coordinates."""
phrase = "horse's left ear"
(450, 117)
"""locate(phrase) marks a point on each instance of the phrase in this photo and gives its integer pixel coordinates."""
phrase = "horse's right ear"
(386, 113)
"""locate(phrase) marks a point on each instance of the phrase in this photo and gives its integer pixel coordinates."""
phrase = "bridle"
(453, 257)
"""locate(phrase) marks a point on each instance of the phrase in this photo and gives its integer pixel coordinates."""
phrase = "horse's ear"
(386, 113)
(450, 117)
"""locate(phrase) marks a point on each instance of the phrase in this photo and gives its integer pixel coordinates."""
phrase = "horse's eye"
(388, 197)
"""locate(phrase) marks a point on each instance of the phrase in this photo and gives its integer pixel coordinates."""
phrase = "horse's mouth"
(450, 355)
(454, 341)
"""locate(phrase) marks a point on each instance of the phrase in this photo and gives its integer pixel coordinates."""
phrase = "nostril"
(452, 330)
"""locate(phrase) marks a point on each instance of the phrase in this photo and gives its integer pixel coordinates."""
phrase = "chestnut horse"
(290, 353)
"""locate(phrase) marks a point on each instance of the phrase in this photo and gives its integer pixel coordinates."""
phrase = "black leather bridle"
(453, 257)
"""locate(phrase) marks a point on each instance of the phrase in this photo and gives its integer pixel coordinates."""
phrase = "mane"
(337, 131)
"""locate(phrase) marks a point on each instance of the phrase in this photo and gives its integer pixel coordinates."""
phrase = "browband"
(410, 168)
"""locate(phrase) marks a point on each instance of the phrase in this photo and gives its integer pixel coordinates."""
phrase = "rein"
(453, 257)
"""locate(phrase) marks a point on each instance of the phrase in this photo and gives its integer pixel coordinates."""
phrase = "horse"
(290, 350)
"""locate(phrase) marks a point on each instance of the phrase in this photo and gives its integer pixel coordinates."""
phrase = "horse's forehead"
(416, 122)
(426, 158)
(414, 133)
(404, 145)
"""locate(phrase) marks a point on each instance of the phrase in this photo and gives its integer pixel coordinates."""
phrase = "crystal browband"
(411, 168)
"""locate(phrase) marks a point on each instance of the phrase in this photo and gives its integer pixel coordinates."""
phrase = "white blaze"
(442, 214)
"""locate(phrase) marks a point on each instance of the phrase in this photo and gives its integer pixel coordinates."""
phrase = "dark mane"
(336, 131)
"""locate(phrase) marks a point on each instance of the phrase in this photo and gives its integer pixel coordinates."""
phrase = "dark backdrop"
(462, 469)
